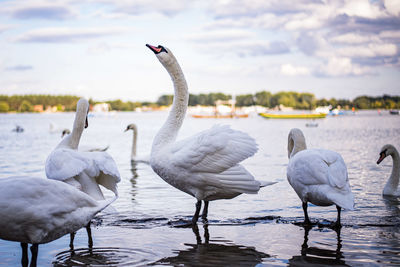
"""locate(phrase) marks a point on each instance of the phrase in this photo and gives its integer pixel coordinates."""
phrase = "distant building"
(101, 107)
(38, 108)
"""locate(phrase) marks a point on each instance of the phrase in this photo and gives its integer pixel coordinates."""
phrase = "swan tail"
(345, 201)
(265, 183)
(105, 203)
(237, 179)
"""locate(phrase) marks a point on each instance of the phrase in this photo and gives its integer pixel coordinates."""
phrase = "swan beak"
(156, 50)
(382, 156)
(126, 129)
(86, 123)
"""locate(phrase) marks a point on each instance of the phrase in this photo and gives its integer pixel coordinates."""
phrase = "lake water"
(143, 228)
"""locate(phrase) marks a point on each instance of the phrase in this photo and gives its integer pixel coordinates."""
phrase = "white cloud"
(342, 67)
(355, 38)
(64, 34)
(393, 7)
(361, 8)
(371, 50)
(290, 70)
(220, 36)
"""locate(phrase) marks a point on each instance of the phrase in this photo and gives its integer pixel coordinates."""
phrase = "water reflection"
(105, 256)
(133, 179)
(214, 254)
(318, 256)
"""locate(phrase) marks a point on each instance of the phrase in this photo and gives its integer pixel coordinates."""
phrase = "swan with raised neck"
(169, 131)
(80, 123)
(392, 184)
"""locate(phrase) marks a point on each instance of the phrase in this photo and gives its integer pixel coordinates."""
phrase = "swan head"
(132, 127)
(82, 107)
(296, 142)
(65, 132)
(163, 54)
(386, 150)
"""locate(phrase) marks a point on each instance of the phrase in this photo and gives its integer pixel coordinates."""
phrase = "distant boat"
(394, 112)
(293, 116)
(220, 116)
(18, 129)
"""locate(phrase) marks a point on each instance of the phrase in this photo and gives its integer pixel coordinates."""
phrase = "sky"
(96, 49)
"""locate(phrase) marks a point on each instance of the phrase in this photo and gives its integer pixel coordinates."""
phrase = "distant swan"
(206, 165)
(134, 157)
(391, 187)
(318, 176)
(38, 211)
(83, 170)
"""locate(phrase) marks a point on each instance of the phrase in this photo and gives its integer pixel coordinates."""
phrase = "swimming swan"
(83, 170)
(206, 165)
(134, 157)
(392, 184)
(318, 176)
(37, 211)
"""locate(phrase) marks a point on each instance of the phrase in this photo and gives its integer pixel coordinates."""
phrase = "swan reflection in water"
(318, 256)
(103, 256)
(213, 254)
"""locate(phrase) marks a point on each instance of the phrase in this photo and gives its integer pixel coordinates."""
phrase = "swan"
(206, 165)
(37, 211)
(83, 170)
(390, 188)
(318, 176)
(134, 157)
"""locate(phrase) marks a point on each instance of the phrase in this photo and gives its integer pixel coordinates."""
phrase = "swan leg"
(196, 214)
(306, 219)
(24, 258)
(337, 224)
(89, 233)
(205, 211)
(34, 251)
(71, 240)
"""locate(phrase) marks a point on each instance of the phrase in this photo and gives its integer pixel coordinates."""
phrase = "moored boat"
(293, 115)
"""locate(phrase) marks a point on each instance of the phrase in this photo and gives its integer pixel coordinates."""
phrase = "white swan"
(318, 176)
(391, 187)
(84, 170)
(38, 211)
(134, 157)
(205, 166)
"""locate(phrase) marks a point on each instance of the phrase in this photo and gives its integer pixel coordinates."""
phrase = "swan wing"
(64, 163)
(105, 169)
(214, 150)
(318, 167)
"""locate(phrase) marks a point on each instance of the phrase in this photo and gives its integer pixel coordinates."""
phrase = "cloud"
(4, 28)
(19, 68)
(138, 7)
(63, 35)
(290, 70)
(242, 43)
(342, 66)
(37, 10)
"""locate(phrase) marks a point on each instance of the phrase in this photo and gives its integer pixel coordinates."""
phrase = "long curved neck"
(169, 131)
(72, 140)
(134, 141)
(296, 145)
(393, 182)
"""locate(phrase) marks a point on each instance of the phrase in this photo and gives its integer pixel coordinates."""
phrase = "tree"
(25, 106)
(4, 107)
(263, 99)
(165, 100)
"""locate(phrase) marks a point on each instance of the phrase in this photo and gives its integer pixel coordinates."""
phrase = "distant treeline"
(26, 103)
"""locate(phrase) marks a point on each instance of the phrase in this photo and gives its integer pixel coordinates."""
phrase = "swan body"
(391, 187)
(318, 176)
(37, 211)
(206, 165)
(84, 170)
(134, 157)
